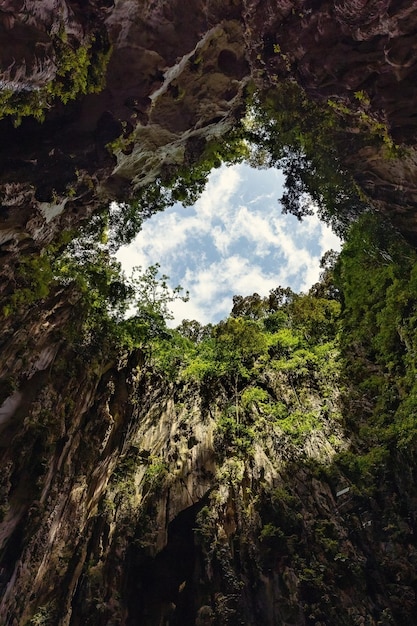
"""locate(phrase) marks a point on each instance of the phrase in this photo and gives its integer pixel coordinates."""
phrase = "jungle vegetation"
(80, 69)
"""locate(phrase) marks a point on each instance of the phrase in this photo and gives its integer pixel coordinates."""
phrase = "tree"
(250, 307)
(108, 295)
(125, 219)
(151, 297)
(309, 143)
(326, 287)
(314, 317)
(238, 342)
(194, 330)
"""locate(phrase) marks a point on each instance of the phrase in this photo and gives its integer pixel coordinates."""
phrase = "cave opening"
(249, 210)
(233, 240)
(164, 589)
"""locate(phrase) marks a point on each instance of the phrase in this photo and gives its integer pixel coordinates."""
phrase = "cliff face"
(122, 499)
(129, 498)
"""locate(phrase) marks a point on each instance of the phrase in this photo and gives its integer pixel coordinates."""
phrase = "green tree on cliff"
(237, 344)
(306, 140)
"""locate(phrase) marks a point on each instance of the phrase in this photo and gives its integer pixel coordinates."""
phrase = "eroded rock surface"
(176, 73)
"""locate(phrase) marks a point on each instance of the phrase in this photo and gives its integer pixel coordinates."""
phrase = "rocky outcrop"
(359, 55)
(177, 75)
(128, 503)
(175, 78)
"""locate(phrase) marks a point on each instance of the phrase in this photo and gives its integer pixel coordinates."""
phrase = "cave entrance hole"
(164, 589)
(233, 240)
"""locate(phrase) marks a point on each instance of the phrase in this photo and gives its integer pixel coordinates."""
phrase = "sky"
(233, 241)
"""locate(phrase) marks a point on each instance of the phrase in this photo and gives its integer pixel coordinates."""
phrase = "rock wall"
(176, 77)
(58, 448)
(124, 502)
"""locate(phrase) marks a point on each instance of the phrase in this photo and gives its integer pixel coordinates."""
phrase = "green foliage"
(126, 466)
(231, 351)
(35, 276)
(152, 292)
(376, 275)
(283, 342)
(297, 365)
(85, 268)
(81, 69)
(194, 330)
(172, 352)
(254, 397)
(250, 307)
(254, 307)
(365, 467)
(308, 142)
(35, 279)
(20, 105)
(269, 531)
(372, 126)
(156, 473)
(299, 424)
(240, 354)
(238, 342)
(203, 366)
(45, 616)
(282, 497)
(107, 296)
(317, 317)
(206, 526)
(233, 437)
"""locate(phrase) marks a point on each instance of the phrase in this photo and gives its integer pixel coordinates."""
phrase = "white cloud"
(328, 240)
(131, 256)
(233, 241)
(215, 200)
(222, 238)
(165, 235)
(214, 286)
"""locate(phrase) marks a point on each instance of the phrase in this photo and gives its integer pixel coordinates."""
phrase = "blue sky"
(234, 240)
